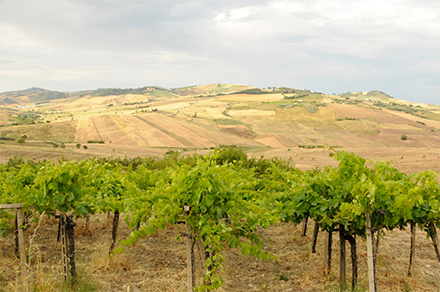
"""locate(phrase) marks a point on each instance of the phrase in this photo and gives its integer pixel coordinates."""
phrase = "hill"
(281, 121)
(31, 95)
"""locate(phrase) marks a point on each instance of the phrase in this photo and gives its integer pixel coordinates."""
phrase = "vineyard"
(222, 203)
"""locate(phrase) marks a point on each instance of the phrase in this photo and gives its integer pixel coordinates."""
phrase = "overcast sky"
(331, 46)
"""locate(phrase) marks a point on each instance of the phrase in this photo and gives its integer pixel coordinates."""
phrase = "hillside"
(276, 121)
(31, 95)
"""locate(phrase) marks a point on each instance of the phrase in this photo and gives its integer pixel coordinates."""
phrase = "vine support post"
(70, 232)
(315, 236)
(20, 235)
(62, 236)
(433, 234)
(412, 250)
(342, 262)
(190, 261)
(354, 263)
(304, 228)
(328, 252)
(88, 222)
(22, 250)
(114, 231)
(66, 234)
(17, 245)
(370, 260)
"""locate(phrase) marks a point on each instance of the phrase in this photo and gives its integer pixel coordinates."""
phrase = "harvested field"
(251, 113)
(61, 131)
(251, 97)
(379, 115)
(238, 130)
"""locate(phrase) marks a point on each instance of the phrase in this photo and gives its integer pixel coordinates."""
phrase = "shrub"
(78, 145)
(85, 146)
(403, 137)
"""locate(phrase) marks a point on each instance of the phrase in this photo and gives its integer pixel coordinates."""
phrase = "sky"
(329, 46)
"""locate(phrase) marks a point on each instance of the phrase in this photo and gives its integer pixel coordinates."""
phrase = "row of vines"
(225, 198)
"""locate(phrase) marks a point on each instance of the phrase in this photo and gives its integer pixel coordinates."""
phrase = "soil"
(158, 263)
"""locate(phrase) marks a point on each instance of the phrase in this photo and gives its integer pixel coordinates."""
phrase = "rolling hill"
(273, 121)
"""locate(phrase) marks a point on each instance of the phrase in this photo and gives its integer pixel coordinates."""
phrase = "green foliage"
(151, 90)
(251, 91)
(229, 154)
(229, 196)
(54, 145)
(228, 122)
(403, 137)
(26, 118)
(15, 161)
(81, 283)
(38, 94)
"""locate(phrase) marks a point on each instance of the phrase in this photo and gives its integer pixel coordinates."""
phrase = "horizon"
(330, 47)
(49, 89)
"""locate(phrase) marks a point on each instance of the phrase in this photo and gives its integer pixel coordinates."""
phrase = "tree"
(22, 140)
(78, 145)
(85, 146)
(403, 137)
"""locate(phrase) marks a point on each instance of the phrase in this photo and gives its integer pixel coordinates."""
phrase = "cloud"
(330, 46)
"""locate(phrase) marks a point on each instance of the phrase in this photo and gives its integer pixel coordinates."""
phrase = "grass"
(159, 261)
(228, 122)
(82, 283)
(57, 131)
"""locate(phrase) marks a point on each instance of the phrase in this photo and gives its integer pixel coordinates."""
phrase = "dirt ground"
(158, 263)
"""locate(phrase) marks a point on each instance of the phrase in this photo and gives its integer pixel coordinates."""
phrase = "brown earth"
(158, 263)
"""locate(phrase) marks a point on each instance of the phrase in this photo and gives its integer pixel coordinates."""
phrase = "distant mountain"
(33, 94)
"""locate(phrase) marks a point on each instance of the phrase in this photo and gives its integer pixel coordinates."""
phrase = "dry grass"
(158, 263)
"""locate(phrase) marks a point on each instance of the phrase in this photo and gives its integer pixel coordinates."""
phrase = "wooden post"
(20, 235)
(88, 222)
(354, 264)
(11, 206)
(370, 261)
(433, 234)
(17, 244)
(114, 231)
(70, 235)
(328, 252)
(64, 246)
(413, 249)
(190, 254)
(22, 248)
(315, 236)
(304, 229)
(342, 261)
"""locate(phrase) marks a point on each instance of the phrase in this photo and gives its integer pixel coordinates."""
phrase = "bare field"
(188, 122)
(62, 131)
(251, 97)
